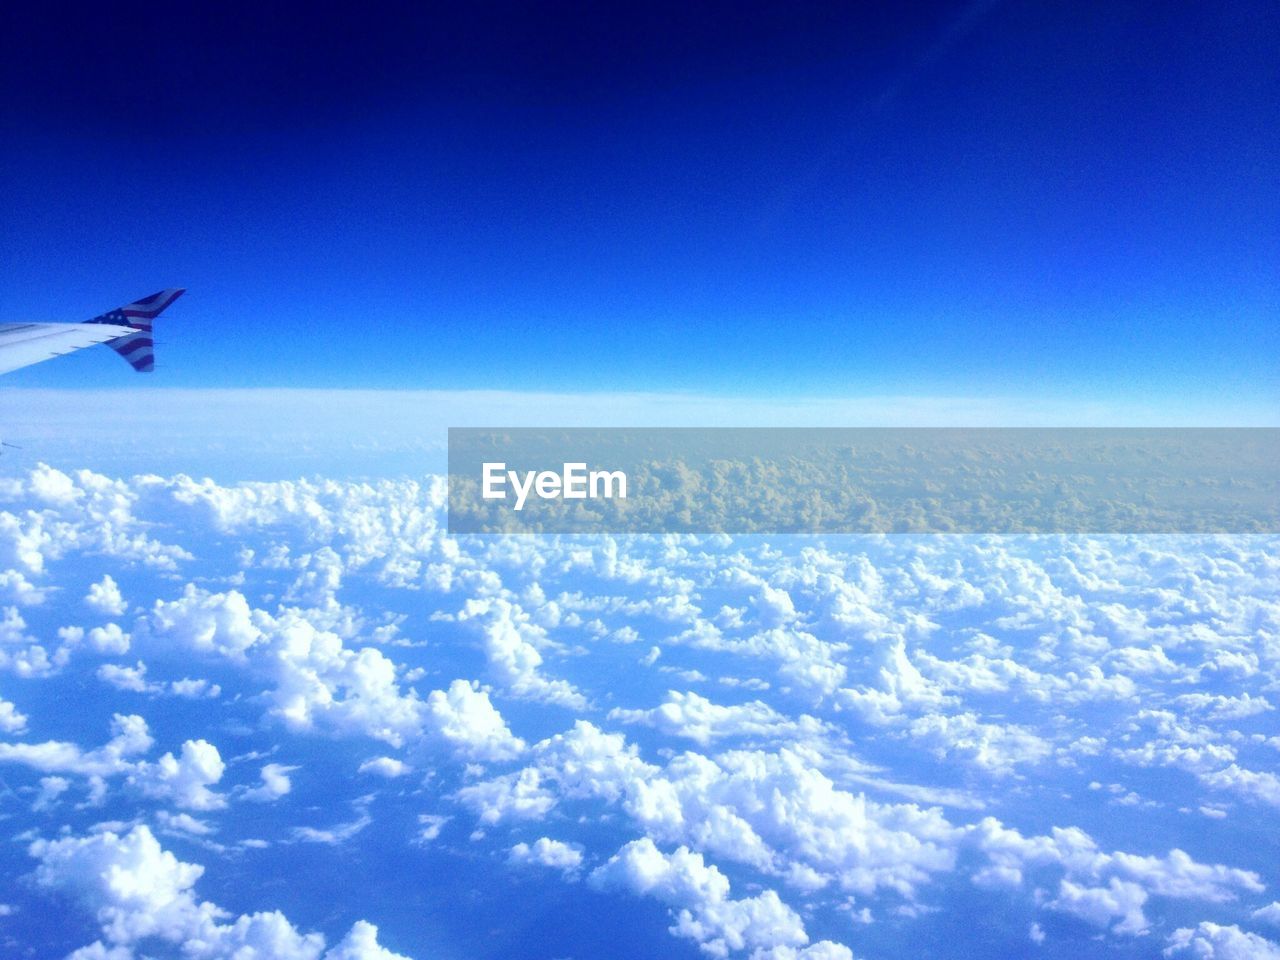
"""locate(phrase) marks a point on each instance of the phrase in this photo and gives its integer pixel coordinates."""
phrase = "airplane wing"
(126, 330)
(22, 344)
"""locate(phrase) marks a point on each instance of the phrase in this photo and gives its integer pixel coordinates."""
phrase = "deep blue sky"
(993, 198)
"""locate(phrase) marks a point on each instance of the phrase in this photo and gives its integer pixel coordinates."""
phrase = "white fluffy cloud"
(1269, 914)
(696, 718)
(774, 811)
(109, 639)
(183, 780)
(275, 783)
(315, 677)
(1120, 901)
(511, 643)
(388, 767)
(104, 597)
(515, 796)
(130, 737)
(704, 911)
(12, 720)
(141, 893)
(76, 512)
(1211, 941)
(546, 852)
(466, 718)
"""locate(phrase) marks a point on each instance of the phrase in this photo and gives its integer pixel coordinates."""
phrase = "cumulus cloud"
(769, 810)
(105, 598)
(999, 748)
(127, 678)
(315, 677)
(12, 720)
(465, 718)
(696, 718)
(318, 680)
(546, 852)
(130, 737)
(275, 784)
(16, 587)
(515, 796)
(511, 643)
(704, 911)
(51, 788)
(184, 779)
(19, 651)
(134, 679)
(109, 639)
(388, 767)
(1211, 941)
(82, 512)
(1268, 914)
(1120, 901)
(141, 893)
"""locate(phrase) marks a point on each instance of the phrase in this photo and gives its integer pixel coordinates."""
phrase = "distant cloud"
(232, 433)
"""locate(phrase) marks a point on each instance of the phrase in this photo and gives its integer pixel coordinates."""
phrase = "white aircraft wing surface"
(22, 344)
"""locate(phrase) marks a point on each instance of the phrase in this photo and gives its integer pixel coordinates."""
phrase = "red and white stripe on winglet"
(138, 348)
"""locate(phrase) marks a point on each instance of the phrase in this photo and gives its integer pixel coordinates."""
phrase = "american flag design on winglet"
(138, 348)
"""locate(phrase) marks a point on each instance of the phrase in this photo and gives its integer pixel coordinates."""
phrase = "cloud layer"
(787, 747)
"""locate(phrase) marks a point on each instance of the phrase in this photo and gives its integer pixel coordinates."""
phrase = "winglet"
(138, 348)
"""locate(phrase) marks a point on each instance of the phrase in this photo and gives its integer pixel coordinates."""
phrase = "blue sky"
(999, 199)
